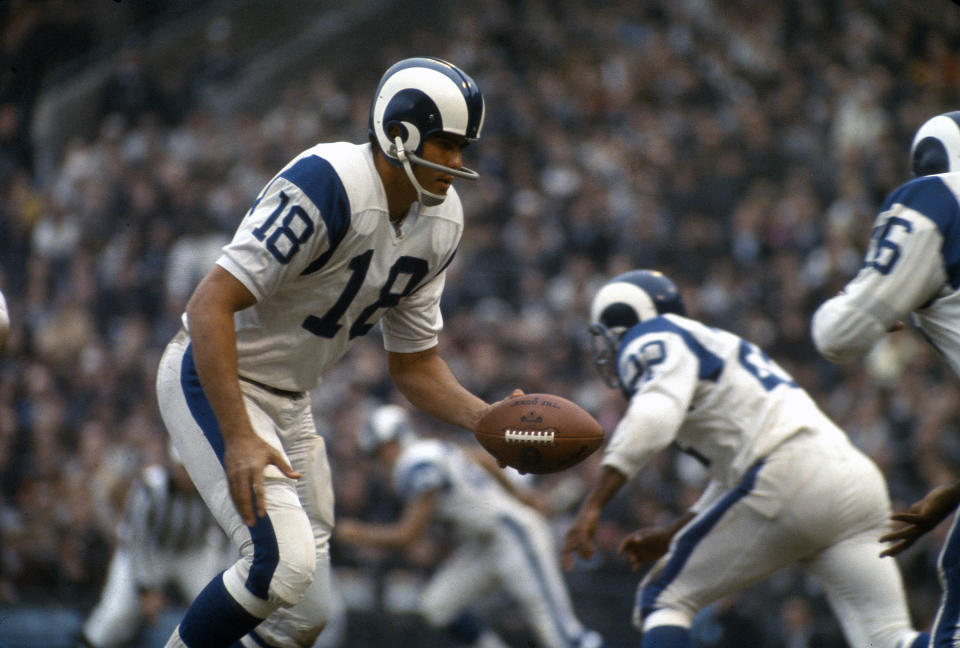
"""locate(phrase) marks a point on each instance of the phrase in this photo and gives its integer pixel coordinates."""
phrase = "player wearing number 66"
(786, 485)
(344, 236)
(912, 269)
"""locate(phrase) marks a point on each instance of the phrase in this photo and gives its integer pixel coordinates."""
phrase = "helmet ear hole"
(619, 315)
(397, 129)
(930, 157)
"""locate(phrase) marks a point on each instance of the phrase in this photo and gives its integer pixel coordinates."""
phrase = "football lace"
(511, 435)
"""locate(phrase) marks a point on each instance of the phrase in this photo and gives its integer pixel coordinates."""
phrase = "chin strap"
(427, 198)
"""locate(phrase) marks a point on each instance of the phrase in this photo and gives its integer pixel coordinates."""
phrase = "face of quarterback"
(440, 148)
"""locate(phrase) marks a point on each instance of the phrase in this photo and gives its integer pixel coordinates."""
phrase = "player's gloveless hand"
(244, 460)
(921, 517)
(645, 545)
(579, 538)
(516, 393)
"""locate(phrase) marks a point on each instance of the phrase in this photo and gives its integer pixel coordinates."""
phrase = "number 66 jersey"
(714, 394)
(911, 266)
(318, 251)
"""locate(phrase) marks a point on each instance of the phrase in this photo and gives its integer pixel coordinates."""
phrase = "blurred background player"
(4, 322)
(344, 236)
(912, 268)
(502, 541)
(786, 484)
(167, 537)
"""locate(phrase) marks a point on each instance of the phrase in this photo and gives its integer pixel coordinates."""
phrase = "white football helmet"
(422, 96)
(387, 423)
(936, 146)
(623, 302)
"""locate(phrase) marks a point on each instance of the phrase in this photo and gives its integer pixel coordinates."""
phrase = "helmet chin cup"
(426, 198)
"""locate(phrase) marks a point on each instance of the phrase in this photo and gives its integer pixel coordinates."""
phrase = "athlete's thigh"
(196, 434)
(742, 538)
(865, 590)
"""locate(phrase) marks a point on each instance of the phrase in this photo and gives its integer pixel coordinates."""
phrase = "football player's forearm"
(842, 332)
(214, 345)
(427, 382)
(611, 481)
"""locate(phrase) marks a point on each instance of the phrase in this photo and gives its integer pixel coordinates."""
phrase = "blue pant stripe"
(198, 404)
(948, 565)
(266, 553)
(533, 560)
(688, 541)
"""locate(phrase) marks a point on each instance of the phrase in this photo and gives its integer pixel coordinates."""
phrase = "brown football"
(539, 433)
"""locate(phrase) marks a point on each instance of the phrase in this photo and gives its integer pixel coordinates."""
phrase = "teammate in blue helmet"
(911, 272)
(786, 485)
(343, 237)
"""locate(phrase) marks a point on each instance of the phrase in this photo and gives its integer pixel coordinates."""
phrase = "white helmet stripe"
(438, 86)
(947, 131)
(624, 292)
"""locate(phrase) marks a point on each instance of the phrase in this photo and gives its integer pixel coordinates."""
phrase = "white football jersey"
(319, 253)
(470, 499)
(911, 266)
(716, 395)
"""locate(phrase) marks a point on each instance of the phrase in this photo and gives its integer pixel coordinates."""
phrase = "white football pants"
(823, 506)
(283, 570)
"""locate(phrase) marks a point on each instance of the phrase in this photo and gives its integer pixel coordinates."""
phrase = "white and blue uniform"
(912, 268)
(786, 485)
(319, 253)
(501, 542)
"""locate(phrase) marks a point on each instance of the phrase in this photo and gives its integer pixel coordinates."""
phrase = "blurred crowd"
(742, 147)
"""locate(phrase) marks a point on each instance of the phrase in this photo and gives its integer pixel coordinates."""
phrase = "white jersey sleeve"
(663, 371)
(912, 266)
(904, 269)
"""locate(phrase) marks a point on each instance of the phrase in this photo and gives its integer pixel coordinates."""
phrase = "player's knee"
(292, 576)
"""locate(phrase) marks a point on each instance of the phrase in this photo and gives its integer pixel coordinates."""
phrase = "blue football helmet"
(936, 146)
(422, 96)
(623, 302)
(385, 424)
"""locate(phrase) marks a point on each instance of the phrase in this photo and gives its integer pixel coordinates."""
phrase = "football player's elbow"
(840, 337)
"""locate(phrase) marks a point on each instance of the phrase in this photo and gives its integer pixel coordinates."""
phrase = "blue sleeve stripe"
(711, 365)
(931, 197)
(319, 182)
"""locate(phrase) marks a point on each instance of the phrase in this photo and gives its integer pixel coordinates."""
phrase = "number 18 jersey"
(319, 253)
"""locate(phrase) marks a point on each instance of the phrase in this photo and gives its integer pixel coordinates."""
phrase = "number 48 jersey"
(319, 253)
(714, 394)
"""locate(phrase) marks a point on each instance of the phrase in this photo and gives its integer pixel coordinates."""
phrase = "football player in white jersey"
(912, 269)
(786, 485)
(502, 541)
(344, 236)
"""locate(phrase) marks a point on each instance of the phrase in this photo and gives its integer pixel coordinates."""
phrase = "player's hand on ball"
(514, 394)
(645, 545)
(244, 459)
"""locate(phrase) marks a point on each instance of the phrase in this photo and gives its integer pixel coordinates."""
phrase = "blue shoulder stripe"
(930, 196)
(318, 180)
(711, 365)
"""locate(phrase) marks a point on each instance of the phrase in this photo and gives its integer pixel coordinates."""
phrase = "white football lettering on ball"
(529, 436)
